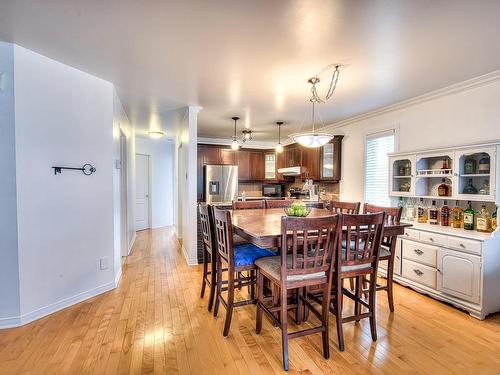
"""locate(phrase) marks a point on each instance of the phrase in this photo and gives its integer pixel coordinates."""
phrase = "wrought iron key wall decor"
(87, 169)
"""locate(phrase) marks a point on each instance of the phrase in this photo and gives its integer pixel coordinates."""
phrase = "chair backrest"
(311, 243)
(278, 203)
(207, 227)
(362, 236)
(224, 235)
(338, 207)
(392, 214)
(245, 205)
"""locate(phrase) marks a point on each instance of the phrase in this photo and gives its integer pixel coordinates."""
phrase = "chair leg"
(358, 293)
(284, 327)
(275, 297)
(230, 302)
(205, 271)
(324, 321)
(298, 310)
(260, 300)
(213, 284)
(389, 280)
(219, 287)
(372, 303)
(338, 313)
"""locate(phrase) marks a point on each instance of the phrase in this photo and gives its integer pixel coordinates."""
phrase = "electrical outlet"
(104, 263)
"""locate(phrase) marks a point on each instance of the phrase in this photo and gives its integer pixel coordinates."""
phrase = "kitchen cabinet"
(250, 165)
(270, 166)
(211, 155)
(310, 163)
(229, 156)
(459, 274)
(293, 156)
(280, 163)
(330, 160)
(402, 175)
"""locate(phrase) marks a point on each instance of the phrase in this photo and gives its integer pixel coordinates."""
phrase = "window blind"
(377, 168)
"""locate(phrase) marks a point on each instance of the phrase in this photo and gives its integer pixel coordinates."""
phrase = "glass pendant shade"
(279, 147)
(235, 145)
(312, 140)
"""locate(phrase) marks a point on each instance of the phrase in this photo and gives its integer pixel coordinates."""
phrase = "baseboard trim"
(118, 277)
(131, 245)
(57, 306)
(189, 261)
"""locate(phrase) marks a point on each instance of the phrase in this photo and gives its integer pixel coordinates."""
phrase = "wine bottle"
(445, 214)
(469, 217)
(433, 214)
(457, 217)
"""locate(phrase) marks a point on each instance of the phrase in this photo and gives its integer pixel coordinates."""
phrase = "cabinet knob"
(431, 239)
(462, 246)
(418, 272)
(418, 251)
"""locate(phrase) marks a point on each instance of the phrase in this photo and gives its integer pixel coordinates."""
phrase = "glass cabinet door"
(434, 174)
(475, 177)
(402, 176)
(327, 161)
(270, 166)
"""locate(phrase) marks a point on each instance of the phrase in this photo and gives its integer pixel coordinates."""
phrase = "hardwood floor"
(155, 322)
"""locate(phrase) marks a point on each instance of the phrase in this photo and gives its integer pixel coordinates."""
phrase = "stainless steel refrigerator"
(221, 183)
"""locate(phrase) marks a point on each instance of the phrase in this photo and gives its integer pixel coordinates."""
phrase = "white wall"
(162, 158)
(9, 267)
(65, 222)
(463, 114)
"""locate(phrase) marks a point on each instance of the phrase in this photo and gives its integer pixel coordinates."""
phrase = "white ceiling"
(253, 58)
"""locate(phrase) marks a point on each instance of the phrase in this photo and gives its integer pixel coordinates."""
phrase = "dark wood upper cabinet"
(250, 165)
(280, 163)
(243, 165)
(310, 163)
(229, 156)
(331, 160)
(212, 155)
(293, 156)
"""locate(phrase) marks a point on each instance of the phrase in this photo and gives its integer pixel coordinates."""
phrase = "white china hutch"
(461, 267)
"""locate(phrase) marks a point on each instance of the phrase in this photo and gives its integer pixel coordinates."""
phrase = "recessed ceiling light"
(155, 134)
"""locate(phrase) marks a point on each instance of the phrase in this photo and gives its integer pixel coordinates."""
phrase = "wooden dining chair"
(388, 247)
(209, 254)
(356, 256)
(308, 245)
(278, 203)
(236, 259)
(245, 205)
(343, 207)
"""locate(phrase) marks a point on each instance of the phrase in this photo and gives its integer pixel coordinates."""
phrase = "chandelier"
(246, 135)
(314, 138)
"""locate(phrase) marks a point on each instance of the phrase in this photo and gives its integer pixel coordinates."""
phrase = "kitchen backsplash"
(327, 190)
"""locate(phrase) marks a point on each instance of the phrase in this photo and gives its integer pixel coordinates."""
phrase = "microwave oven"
(272, 190)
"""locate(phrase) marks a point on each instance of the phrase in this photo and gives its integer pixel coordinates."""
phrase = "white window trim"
(375, 134)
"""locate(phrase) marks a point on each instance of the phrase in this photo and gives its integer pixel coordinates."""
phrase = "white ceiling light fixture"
(234, 144)
(314, 138)
(156, 134)
(279, 146)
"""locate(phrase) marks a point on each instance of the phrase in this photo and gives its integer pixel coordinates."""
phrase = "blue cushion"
(246, 254)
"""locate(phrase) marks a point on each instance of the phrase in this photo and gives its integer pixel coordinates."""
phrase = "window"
(377, 168)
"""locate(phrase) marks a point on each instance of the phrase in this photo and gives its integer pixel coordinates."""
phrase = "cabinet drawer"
(433, 238)
(418, 272)
(420, 253)
(463, 244)
(411, 234)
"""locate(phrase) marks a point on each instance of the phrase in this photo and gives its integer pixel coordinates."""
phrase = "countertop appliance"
(272, 190)
(221, 183)
(308, 192)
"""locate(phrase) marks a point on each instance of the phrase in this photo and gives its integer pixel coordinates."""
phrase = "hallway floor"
(156, 322)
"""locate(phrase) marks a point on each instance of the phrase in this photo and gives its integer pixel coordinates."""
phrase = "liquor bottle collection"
(456, 217)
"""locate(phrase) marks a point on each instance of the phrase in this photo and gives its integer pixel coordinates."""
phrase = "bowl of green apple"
(297, 209)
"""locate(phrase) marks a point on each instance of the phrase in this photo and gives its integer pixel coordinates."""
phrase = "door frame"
(124, 210)
(150, 195)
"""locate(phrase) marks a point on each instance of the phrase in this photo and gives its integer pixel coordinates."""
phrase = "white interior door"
(142, 192)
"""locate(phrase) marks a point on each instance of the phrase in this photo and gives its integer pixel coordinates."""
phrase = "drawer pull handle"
(418, 272)
(407, 234)
(462, 246)
(418, 251)
(431, 239)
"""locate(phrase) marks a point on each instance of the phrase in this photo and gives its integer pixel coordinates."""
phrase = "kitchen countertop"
(459, 232)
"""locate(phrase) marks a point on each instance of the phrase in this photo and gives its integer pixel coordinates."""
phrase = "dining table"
(262, 226)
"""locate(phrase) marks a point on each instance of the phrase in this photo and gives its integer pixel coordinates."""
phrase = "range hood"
(291, 171)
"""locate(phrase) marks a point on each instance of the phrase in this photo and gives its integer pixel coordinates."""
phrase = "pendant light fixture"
(234, 144)
(279, 146)
(314, 138)
(247, 135)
